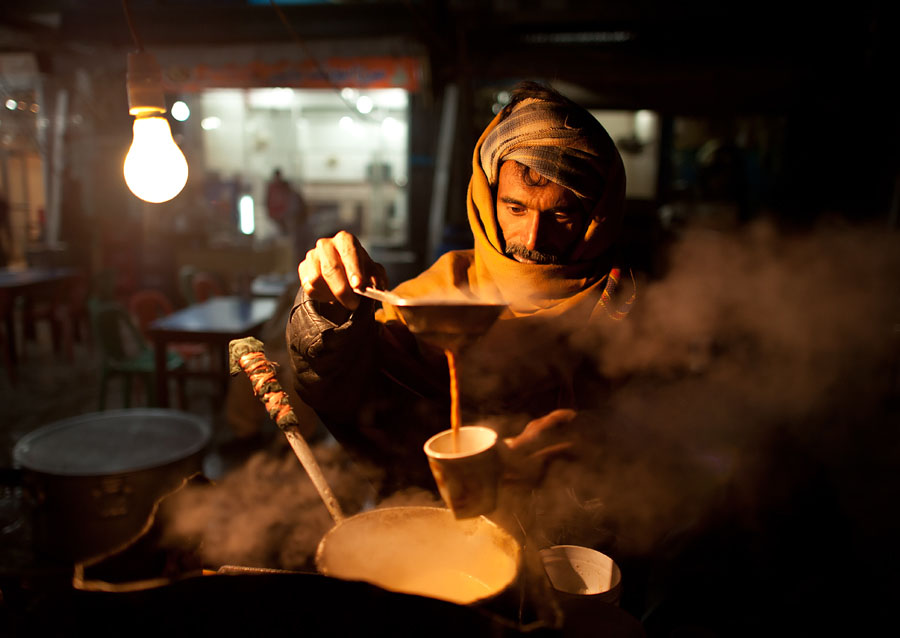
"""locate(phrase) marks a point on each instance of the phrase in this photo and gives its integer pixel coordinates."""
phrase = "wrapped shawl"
(571, 150)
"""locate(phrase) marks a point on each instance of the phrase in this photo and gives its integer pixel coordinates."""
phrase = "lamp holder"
(144, 84)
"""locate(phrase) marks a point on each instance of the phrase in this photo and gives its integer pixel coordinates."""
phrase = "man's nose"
(533, 231)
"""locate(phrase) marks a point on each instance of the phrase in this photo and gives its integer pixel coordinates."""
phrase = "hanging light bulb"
(155, 168)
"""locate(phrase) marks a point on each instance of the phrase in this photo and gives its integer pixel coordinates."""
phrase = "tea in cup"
(466, 467)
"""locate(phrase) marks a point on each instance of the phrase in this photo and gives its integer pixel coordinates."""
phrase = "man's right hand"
(335, 267)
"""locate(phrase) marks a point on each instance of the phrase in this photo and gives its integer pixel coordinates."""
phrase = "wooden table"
(28, 283)
(273, 285)
(215, 322)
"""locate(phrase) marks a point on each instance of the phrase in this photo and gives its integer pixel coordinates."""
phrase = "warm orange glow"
(454, 399)
(155, 168)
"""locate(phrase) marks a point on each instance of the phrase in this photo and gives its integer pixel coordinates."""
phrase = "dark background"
(823, 77)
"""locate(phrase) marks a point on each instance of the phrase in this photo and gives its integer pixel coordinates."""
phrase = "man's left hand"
(526, 455)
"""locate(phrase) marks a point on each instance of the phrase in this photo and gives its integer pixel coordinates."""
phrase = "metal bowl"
(450, 324)
(446, 323)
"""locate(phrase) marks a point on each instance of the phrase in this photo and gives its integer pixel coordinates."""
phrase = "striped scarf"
(546, 138)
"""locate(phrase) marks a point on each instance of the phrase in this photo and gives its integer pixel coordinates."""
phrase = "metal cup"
(582, 573)
(466, 471)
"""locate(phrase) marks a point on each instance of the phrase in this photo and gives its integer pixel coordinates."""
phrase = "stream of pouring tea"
(454, 398)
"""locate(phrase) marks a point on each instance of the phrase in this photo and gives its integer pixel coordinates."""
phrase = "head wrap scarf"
(548, 139)
(567, 145)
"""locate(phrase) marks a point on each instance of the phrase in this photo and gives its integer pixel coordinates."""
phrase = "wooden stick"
(248, 354)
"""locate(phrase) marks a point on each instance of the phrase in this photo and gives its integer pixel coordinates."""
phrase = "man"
(545, 204)
(278, 199)
(287, 207)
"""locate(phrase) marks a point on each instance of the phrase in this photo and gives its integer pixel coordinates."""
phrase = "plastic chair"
(148, 305)
(205, 285)
(125, 352)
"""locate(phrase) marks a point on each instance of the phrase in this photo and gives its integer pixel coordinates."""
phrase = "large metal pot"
(424, 551)
(94, 480)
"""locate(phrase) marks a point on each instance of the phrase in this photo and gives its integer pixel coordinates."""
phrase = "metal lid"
(111, 442)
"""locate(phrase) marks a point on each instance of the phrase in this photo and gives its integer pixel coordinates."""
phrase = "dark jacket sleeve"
(331, 361)
(372, 387)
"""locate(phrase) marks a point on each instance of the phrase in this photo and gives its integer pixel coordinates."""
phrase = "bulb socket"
(144, 84)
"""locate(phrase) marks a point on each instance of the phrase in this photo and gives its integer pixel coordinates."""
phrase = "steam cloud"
(265, 513)
(751, 338)
(760, 360)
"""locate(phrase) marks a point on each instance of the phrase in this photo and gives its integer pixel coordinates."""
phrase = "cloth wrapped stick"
(248, 354)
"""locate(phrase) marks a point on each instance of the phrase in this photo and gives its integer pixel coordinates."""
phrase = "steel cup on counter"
(582, 573)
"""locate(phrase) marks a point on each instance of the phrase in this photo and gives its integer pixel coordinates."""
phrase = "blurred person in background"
(279, 196)
(287, 207)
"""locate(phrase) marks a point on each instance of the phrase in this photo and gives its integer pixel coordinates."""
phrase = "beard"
(535, 256)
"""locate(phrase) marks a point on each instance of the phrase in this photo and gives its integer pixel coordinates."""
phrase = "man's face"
(540, 224)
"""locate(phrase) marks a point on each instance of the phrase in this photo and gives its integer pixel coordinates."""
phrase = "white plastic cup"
(583, 572)
(467, 472)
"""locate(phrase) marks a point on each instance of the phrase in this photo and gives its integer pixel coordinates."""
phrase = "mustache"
(537, 256)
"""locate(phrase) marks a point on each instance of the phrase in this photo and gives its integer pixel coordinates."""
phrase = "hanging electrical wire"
(155, 168)
(134, 33)
(321, 71)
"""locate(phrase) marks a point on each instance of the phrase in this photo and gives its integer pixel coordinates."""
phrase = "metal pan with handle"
(416, 550)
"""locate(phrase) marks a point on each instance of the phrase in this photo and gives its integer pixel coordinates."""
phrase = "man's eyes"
(559, 216)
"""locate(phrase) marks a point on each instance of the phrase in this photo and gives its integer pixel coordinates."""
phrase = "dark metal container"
(93, 481)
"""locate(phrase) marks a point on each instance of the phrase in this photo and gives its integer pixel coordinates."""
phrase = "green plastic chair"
(124, 352)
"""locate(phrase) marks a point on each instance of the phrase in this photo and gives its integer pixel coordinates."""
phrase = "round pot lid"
(112, 442)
